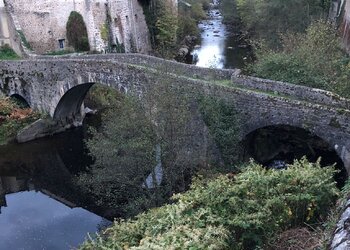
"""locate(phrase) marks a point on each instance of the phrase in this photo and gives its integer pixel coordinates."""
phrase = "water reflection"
(211, 53)
(40, 205)
(33, 220)
(220, 46)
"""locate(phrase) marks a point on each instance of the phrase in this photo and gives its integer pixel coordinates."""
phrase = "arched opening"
(20, 101)
(275, 146)
(68, 109)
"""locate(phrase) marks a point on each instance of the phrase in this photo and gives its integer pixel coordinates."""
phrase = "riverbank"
(234, 211)
(14, 117)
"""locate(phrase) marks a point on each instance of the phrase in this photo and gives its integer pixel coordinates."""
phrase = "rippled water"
(220, 47)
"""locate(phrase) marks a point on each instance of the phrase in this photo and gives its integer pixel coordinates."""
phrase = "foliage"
(13, 118)
(24, 39)
(229, 212)
(76, 32)
(334, 215)
(7, 53)
(162, 24)
(124, 155)
(166, 27)
(313, 59)
(101, 97)
(266, 19)
(60, 52)
(104, 32)
(169, 108)
(189, 18)
(134, 131)
(222, 122)
(229, 11)
(187, 27)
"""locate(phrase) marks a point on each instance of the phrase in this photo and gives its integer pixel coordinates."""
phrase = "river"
(221, 46)
(40, 205)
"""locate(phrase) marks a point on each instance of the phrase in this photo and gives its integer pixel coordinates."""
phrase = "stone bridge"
(57, 86)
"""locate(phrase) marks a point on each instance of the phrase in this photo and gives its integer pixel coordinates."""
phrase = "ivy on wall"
(77, 33)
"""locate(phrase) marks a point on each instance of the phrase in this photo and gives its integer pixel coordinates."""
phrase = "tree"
(123, 149)
(267, 19)
(76, 32)
(314, 59)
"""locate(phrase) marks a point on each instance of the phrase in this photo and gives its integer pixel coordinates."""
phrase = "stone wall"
(43, 22)
(8, 34)
(44, 82)
(345, 25)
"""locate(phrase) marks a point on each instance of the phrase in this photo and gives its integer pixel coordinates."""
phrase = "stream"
(220, 46)
(41, 207)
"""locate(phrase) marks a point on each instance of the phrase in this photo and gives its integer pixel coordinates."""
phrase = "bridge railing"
(293, 91)
(190, 71)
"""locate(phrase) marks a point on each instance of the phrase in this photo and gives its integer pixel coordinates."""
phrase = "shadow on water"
(41, 207)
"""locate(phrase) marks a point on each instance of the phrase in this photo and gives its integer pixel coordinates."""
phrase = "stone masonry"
(43, 22)
(58, 86)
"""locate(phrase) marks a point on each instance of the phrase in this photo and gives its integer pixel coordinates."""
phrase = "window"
(61, 43)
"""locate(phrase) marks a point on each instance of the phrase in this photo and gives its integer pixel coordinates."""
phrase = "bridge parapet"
(157, 63)
(293, 91)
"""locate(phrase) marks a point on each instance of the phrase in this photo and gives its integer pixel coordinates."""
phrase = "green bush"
(76, 32)
(266, 19)
(123, 149)
(7, 53)
(222, 121)
(313, 59)
(229, 212)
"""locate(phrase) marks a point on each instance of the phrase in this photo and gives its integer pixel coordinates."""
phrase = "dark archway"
(20, 100)
(284, 143)
(69, 107)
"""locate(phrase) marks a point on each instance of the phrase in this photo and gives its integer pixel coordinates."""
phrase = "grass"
(59, 52)
(6, 53)
(24, 39)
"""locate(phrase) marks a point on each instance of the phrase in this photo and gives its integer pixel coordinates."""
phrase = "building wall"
(43, 22)
(8, 34)
(345, 26)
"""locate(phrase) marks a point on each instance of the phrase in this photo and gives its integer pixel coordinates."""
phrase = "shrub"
(266, 19)
(222, 121)
(13, 118)
(76, 32)
(313, 59)
(123, 149)
(227, 212)
(7, 53)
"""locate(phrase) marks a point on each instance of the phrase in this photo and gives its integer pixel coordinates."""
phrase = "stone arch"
(16, 87)
(267, 144)
(22, 101)
(68, 110)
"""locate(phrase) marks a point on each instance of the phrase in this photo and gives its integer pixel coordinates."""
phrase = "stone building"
(345, 25)
(43, 23)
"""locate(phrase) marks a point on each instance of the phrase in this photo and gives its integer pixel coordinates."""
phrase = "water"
(220, 46)
(40, 205)
(33, 220)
